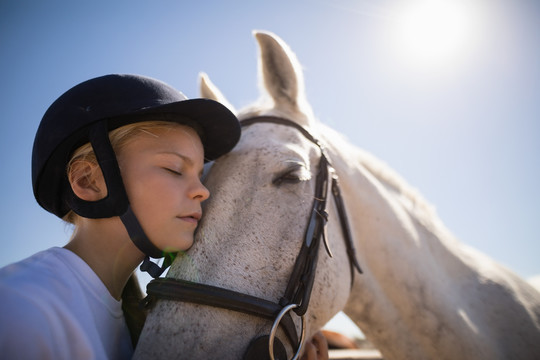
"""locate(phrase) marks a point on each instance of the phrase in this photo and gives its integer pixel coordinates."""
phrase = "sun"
(432, 33)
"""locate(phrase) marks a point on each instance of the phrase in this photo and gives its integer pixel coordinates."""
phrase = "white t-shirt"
(53, 306)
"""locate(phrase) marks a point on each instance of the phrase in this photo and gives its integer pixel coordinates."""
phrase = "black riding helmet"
(87, 112)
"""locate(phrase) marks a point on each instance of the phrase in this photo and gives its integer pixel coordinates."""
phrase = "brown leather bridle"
(298, 292)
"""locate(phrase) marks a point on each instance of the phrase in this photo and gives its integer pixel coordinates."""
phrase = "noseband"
(298, 292)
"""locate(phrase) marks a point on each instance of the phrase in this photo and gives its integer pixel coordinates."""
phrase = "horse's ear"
(281, 74)
(208, 90)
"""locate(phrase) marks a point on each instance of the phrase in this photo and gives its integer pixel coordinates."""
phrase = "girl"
(120, 157)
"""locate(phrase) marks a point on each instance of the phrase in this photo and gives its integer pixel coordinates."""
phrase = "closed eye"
(173, 171)
(293, 175)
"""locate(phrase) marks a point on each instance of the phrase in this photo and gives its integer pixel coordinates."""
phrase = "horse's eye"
(292, 175)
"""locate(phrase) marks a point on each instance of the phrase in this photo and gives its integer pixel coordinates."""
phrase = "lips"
(191, 218)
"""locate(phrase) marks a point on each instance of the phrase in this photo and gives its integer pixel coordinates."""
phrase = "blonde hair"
(119, 138)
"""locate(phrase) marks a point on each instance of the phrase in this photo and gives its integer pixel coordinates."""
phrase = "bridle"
(298, 292)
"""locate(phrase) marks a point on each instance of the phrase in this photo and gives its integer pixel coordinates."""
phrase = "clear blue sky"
(447, 96)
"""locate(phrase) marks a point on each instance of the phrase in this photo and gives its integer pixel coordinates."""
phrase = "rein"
(298, 292)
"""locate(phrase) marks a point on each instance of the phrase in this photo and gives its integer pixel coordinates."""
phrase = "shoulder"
(61, 281)
(22, 317)
(33, 329)
(43, 301)
(38, 289)
(54, 266)
(36, 273)
(30, 286)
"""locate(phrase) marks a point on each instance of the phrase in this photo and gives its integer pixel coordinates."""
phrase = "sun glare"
(432, 33)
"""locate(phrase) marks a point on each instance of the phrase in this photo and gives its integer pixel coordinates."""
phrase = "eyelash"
(287, 176)
(174, 172)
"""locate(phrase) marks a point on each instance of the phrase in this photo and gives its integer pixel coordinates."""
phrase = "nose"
(199, 191)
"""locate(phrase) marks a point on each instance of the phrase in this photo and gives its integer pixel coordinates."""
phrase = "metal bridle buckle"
(282, 313)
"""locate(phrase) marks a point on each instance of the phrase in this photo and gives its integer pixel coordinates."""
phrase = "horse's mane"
(408, 196)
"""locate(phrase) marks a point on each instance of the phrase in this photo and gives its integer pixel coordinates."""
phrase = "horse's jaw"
(182, 330)
(198, 332)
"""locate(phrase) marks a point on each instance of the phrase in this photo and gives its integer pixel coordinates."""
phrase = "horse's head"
(254, 225)
(424, 295)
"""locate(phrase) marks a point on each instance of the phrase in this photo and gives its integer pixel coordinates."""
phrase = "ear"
(282, 75)
(210, 91)
(86, 180)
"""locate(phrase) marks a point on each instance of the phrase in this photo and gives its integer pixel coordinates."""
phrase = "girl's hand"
(316, 348)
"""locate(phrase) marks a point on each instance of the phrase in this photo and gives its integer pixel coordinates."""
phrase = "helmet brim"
(219, 126)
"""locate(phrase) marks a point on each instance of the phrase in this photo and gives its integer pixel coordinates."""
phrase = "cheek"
(146, 188)
(160, 197)
(157, 188)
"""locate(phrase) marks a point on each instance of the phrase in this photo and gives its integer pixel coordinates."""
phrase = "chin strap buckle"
(154, 269)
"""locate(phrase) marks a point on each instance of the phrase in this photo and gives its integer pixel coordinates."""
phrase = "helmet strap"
(137, 235)
(116, 203)
(139, 238)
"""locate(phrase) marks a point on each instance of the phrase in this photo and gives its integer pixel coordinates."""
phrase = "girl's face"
(161, 171)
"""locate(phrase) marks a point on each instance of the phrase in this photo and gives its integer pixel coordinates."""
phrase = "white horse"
(422, 294)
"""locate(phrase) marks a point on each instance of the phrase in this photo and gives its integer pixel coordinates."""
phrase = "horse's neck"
(384, 191)
(423, 293)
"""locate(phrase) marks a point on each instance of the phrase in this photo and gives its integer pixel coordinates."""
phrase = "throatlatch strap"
(345, 228)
